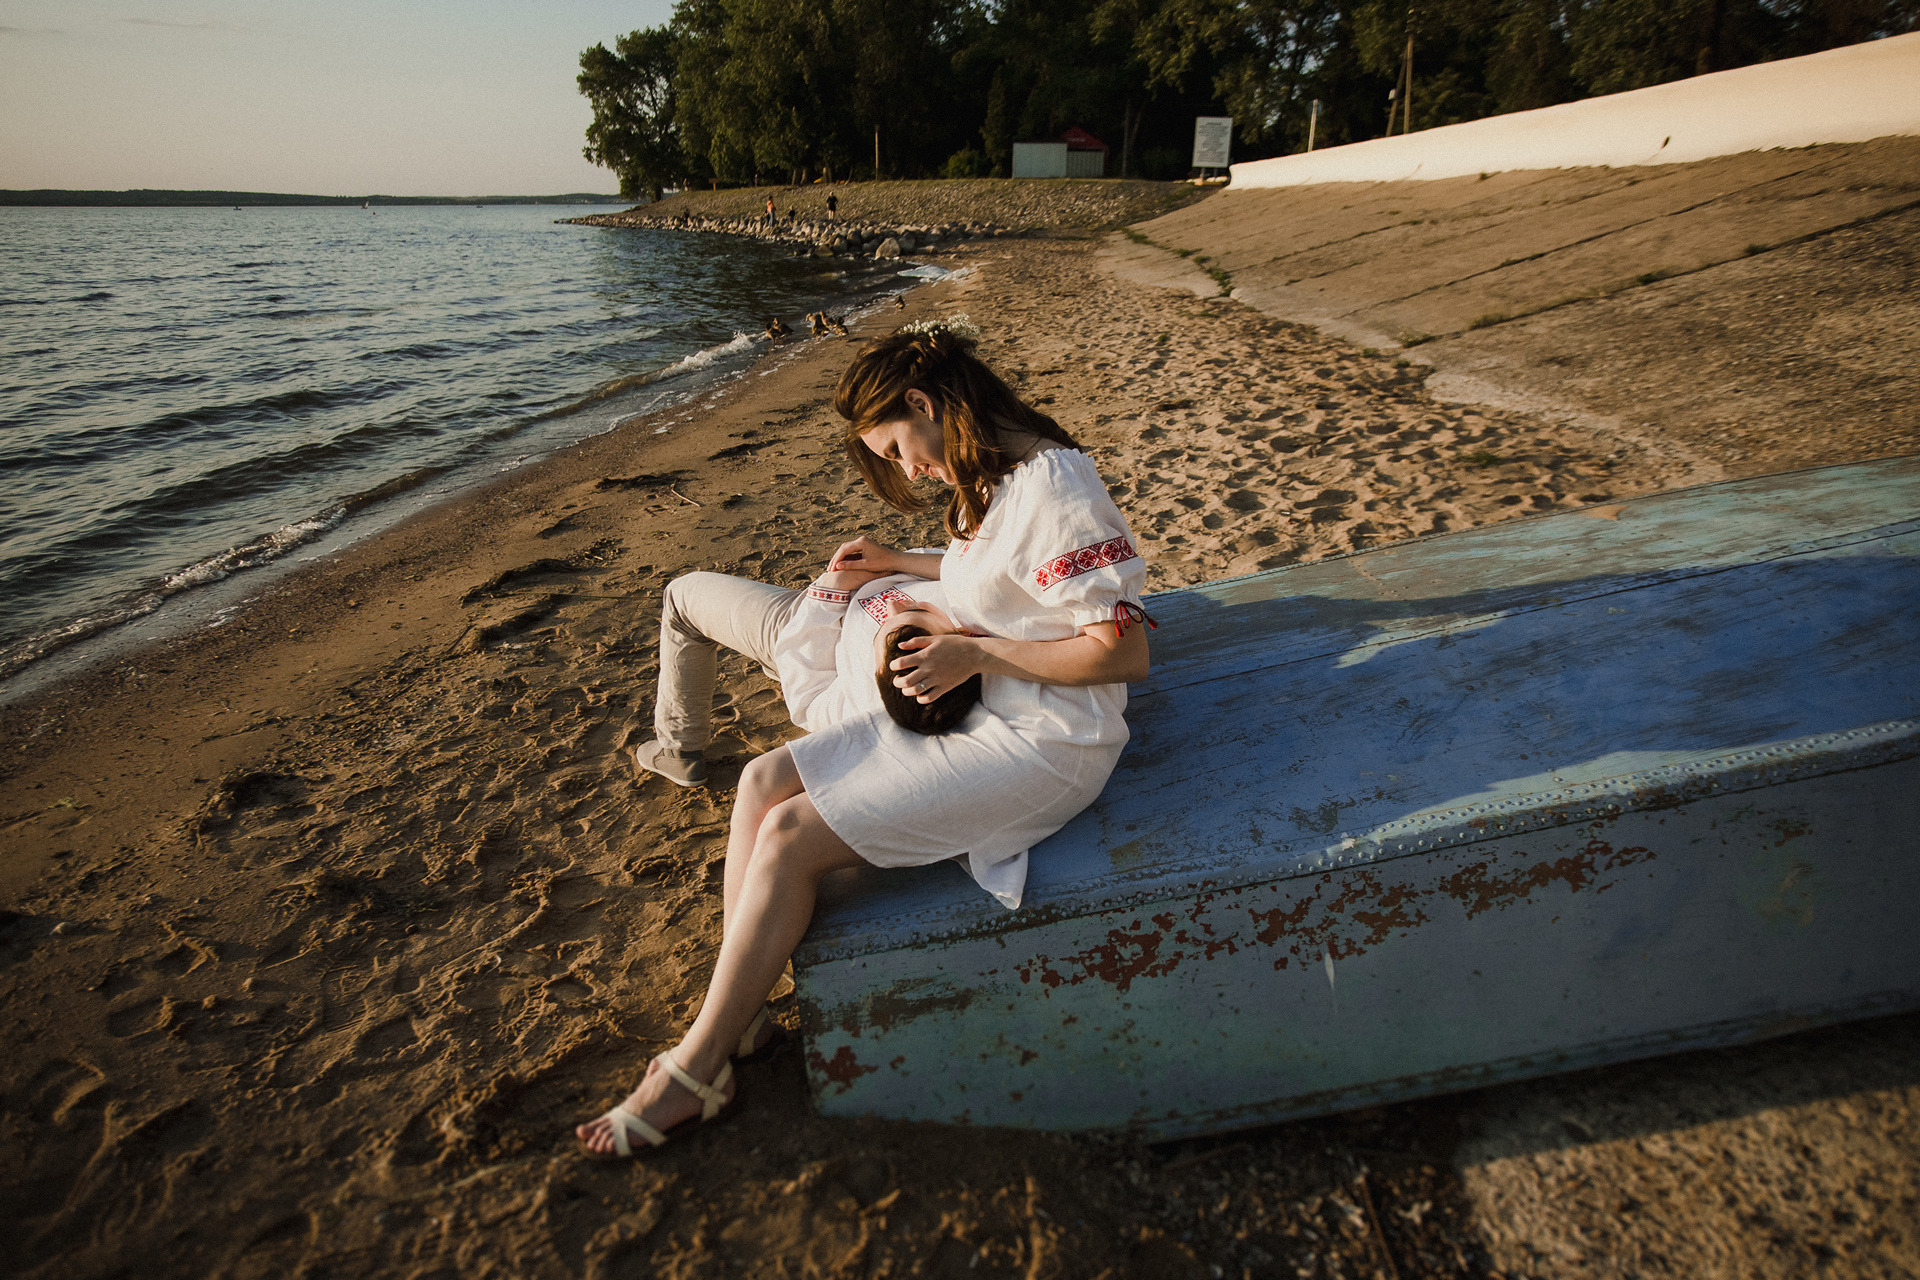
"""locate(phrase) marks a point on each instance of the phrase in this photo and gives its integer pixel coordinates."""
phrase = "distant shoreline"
(48, 197)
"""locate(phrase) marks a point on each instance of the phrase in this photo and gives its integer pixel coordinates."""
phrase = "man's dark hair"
(943, 714)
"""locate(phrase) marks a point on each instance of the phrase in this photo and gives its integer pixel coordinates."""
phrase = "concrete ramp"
(1855, 94)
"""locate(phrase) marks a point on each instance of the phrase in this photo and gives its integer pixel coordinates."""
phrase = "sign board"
(1212, 142)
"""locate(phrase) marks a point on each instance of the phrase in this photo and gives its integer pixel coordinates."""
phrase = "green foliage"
(631, 90)
(786, 90)
(968, 163)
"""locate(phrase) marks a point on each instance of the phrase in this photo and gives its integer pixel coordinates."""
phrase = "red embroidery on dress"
(1085, 560)
(876, 606)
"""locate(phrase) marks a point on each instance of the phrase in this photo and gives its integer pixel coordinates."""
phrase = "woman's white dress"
(1052, 555)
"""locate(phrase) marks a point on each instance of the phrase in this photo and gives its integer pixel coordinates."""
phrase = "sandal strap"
(709, 1094)
(624, 1120)
(753, 1029)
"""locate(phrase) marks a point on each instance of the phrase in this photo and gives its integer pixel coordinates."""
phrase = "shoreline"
(218, 578)
(836, 238)
(364, 870)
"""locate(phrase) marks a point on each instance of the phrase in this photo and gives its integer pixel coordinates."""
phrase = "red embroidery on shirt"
(829, 595)
(1085, 560)
(876, 606)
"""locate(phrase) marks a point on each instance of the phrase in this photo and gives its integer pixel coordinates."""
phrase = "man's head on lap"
(910, 620)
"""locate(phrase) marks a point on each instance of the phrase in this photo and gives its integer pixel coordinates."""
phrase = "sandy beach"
(324, 926)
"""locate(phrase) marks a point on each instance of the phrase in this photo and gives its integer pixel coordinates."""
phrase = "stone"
(889, 248)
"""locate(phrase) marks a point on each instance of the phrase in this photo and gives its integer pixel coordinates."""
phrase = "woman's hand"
(932, 665)
(867, 556)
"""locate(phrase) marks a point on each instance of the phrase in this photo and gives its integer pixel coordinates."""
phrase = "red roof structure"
(1078, 139)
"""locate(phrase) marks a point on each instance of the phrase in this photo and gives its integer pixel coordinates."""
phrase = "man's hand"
(847, 579)
(868, 556)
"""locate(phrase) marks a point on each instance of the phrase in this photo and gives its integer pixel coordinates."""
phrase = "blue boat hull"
(1494, 804)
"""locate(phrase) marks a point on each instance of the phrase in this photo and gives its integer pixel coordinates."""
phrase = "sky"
(320, 97)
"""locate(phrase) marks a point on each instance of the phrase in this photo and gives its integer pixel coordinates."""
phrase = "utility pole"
(1406, 99)
(876, 153)
(1313, 123)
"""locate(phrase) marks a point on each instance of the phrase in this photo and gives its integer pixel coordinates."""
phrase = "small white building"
(1078, 154)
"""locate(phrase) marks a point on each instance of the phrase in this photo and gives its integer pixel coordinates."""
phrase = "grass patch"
(1757, 248)
(1490, 318)
(1415, 339)
(1649, 277)
(1134, 236)
(1221, 278)
(1186, 253)
(1481, 458)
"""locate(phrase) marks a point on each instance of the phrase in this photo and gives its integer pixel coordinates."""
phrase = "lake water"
(187, 393)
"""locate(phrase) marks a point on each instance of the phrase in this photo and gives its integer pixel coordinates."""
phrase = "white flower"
(959, 325)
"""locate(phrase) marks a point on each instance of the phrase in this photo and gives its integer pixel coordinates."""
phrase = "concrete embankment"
(1634, 262)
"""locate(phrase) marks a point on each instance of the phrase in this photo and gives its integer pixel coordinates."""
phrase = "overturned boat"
(1560, 792)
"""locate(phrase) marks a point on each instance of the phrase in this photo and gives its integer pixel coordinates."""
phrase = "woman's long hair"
(972, 405)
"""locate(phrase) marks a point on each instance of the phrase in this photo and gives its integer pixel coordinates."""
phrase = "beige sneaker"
(682, 768)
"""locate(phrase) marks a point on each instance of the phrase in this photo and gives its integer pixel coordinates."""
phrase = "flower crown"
(960, 326)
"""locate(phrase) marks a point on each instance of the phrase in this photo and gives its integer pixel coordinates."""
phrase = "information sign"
(1212, 142)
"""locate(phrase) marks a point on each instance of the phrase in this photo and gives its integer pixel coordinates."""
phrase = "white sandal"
(712, 1099)
(747, 1052)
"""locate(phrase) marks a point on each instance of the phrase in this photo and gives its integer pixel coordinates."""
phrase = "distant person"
(833, 205)
(770, 217)
(793, 216)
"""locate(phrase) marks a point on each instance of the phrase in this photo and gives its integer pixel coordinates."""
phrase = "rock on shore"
(936, 213)
(834, 239)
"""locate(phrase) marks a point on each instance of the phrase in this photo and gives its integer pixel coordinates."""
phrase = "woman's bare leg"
(764, 783)
(793, 849)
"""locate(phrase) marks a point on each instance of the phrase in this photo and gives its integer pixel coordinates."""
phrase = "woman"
(1042, 579)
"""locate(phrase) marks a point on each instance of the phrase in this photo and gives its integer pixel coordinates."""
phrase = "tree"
(635, 131)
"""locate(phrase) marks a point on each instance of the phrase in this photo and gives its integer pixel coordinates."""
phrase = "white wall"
(1853, 94)
(1086, 164)
(1039, 159)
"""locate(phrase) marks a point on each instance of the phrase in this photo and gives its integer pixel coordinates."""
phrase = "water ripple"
(188, 392)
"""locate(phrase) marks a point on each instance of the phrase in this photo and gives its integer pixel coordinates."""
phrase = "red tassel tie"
(1128, 614)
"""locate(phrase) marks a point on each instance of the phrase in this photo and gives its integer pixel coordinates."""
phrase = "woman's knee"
(793, 840)
(769, 779)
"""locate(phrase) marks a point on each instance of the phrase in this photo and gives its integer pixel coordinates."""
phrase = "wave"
(262, 439)
(705, 358)
(144, 600)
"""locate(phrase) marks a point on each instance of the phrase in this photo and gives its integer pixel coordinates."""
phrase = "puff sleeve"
(1074, 551)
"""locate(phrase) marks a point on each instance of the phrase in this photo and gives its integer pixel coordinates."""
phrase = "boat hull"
(1495, 804)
